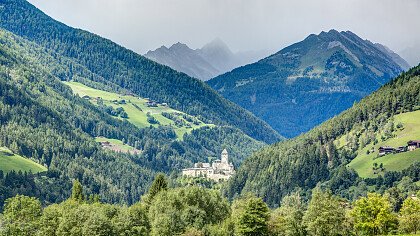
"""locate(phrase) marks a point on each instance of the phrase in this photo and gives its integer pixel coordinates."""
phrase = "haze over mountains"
(310, 81)
(43, 120)
(212, 59)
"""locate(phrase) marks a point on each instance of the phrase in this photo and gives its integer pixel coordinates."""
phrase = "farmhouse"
(151, 104)
(413, 145)
(105, 144)
(217, 171)
(385, 150)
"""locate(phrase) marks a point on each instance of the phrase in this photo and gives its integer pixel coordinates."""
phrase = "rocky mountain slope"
(311, 81)
(211, 60)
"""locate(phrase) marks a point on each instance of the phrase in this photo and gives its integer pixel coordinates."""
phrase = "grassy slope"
(116, 142)
(135, 116)
(363, 163)
(9, 161)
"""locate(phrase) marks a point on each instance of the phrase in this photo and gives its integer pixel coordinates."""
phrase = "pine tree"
(77, 192)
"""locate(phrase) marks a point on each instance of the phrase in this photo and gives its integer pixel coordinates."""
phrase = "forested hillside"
(302, 162)
(101, 63)
(311, 81)
(43, 120)
(196, 211)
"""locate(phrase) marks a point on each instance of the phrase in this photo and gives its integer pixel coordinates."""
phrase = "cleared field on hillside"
(363, 163)
(117, 145)
(10, 161)
(137, 109)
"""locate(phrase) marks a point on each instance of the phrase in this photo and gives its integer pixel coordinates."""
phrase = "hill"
(43, 120)
(316, 157)
(400, 129)
(10, 161)
(213, 59)
(310, 81)
(104, 64)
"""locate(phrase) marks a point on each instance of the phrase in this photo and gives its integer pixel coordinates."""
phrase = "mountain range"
(43, 120)
(211, 60)
(310, 81)
(342, 153)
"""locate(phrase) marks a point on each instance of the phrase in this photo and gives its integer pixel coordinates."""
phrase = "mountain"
(400, 61)
(212, 59)
(411, 54)
(192, 63)
(311, 81)
(333, 154)
(46, 122)
(115, 67)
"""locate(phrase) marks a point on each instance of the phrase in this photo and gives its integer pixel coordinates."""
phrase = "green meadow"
(364, 162)
(10, 161)
(136, 109)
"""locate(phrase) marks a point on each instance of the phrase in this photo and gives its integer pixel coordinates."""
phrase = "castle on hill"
(217, 171)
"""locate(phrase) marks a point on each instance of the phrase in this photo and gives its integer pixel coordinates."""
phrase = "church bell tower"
(225, 156)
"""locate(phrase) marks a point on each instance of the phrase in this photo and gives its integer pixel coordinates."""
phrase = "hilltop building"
(217, 171)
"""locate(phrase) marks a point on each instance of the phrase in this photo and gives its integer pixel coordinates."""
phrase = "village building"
(385, 150)
(217, 171)
(413, 145)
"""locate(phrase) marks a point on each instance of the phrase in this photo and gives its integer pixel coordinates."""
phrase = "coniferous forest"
(67, 182)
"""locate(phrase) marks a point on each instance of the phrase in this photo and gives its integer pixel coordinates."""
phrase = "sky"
(244, 25)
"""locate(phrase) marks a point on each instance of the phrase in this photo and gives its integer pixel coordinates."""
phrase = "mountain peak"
(179, 45)
(332, 70)
(217, 44)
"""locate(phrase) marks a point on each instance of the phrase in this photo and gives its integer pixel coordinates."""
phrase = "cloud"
(243, 24)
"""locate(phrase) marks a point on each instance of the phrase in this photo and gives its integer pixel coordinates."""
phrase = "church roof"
(224, 151)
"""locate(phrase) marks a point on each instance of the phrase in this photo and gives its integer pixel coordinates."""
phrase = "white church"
(217, 171)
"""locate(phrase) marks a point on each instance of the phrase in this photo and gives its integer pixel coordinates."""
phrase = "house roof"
(224, 151)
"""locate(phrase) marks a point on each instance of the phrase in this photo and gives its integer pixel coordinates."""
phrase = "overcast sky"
(244, 25)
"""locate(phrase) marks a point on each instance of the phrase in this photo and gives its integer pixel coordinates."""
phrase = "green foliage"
(287, 219)
(174, 211)
(100, 63)
(253, 220)
(159, 184)
(11, 161)
(21, 216)
(373, 215)
(132, 221)
(77, 192)
(41, 119)
(275, 171)
(325, 214)
(199, 211)
(409, 220)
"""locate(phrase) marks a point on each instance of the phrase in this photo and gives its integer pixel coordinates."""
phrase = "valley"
(320, 138)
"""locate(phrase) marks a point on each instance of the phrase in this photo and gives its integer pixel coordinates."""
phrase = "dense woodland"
(198, 211)
(311, 158)
(41, 119)
(103, 64)
(305, 180)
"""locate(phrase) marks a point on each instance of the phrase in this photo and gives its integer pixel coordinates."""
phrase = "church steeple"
(225, 156)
